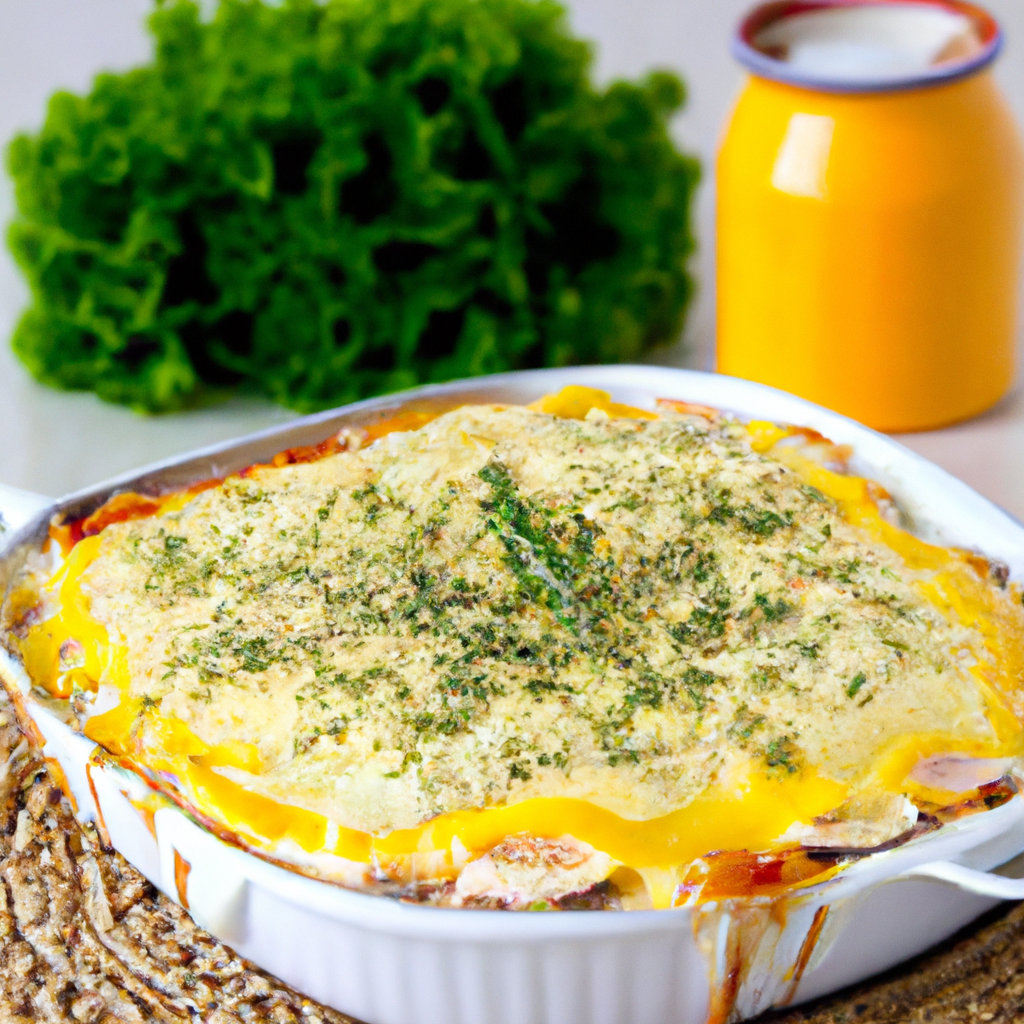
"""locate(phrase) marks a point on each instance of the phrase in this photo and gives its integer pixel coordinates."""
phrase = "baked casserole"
(571, 655)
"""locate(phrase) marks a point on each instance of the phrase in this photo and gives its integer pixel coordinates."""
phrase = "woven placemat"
(85, 939)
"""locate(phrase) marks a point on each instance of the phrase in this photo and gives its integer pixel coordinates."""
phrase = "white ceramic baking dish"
(389, 962)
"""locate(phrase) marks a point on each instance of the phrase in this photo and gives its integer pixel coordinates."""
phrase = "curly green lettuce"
(325, 201)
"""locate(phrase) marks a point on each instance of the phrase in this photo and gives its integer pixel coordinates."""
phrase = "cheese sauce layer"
(654, 637)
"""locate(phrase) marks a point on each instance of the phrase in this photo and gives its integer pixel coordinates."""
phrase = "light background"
(55, 442)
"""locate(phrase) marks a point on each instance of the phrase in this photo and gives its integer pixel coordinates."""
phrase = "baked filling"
(568, 655)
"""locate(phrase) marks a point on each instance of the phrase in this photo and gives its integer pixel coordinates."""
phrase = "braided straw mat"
(85, 939)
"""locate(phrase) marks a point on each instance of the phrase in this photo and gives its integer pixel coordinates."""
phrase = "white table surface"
(986, 452)
(96, 441)
(55, 442)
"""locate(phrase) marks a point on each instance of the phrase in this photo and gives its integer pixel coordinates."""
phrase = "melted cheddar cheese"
(659, 634)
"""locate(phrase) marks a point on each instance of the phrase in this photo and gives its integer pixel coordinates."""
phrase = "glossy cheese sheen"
(752, 812)
(650, 637)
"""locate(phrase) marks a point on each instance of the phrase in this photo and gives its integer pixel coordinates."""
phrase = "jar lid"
(857, 46)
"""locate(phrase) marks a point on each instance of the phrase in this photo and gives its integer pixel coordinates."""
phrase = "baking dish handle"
(981, 883)
(17, 507)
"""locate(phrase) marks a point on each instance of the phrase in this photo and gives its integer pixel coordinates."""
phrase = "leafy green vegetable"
(323, 201)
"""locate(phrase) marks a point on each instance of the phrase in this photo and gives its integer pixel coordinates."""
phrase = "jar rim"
(764, 65)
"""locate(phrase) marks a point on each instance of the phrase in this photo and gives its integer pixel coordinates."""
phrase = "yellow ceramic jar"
(870, 231)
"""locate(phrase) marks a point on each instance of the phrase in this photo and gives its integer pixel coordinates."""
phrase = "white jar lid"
(866, 45)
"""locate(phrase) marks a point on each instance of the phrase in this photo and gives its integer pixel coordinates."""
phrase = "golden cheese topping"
(658, 636)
